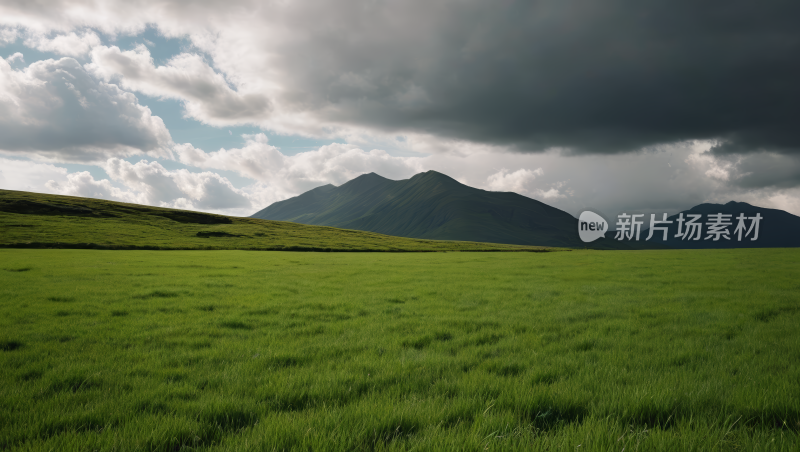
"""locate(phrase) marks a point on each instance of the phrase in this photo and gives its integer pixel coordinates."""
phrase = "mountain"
(777, 229)
(434, 206)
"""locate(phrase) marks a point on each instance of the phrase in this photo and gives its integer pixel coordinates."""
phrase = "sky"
(611, 106)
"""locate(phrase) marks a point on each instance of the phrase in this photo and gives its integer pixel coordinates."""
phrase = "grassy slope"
(230, 350)
(70, 222)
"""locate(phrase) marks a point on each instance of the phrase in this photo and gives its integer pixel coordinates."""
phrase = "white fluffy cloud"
(8, 35)
(206, 94)
(25, 175)
(516, 181)
(83, 184)
(280, 176)
(522, 181)
(147, 183)
(178, 188)
(143, 182)
(16, 57)
(55, 110)
(68, 44)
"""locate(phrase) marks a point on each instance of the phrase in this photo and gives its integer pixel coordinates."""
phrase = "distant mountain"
(776, 228)
(432, 205)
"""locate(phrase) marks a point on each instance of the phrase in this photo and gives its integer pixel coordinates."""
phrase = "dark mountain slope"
(432, 205)
(776, 228)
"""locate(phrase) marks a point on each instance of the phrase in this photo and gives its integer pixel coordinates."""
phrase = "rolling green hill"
(434, 206)
(32, 220)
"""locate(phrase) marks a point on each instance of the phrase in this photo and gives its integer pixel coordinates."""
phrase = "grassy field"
(33, 220)
(238, 350)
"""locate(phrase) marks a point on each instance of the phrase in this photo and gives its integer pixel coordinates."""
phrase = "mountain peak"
(370, 176)
(367, 178)
(737, 204)
(365, 182)
(432, 173)
(729, 206)
(434, 176)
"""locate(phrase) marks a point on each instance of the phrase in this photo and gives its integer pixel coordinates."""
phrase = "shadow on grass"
(83, 422)
(8, 346)
(152, 407)
(286, 402)
(505, 370)
(61, 299)
(230, 419)
(548, 418)
(283, 361)
(418, 343)
(75, 382)
(389, 432)
(236, 325)
(158, 294)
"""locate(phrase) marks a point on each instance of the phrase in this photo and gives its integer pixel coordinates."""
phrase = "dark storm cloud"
(594, 76)
(758, 170)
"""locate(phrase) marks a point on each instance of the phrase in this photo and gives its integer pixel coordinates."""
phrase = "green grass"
(32, 220)
(236, 350)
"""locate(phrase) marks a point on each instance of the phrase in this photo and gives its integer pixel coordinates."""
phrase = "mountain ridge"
(777, 228)
(434, 206)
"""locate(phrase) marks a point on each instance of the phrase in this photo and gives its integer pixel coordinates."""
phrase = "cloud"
(55, 110)
(668, 179)
(750, 170)
(516, 181)
(24, 175)
(17, 56)
(84, 185)
(665, 180)
(69, 44)
(622, 104)
(607, 77)
(144, 182)
(768, 169)
(649, 182)
(280, 176)
(522, 181)
(178, 188)
(8, 35)
(187, 77)
(602, 77)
